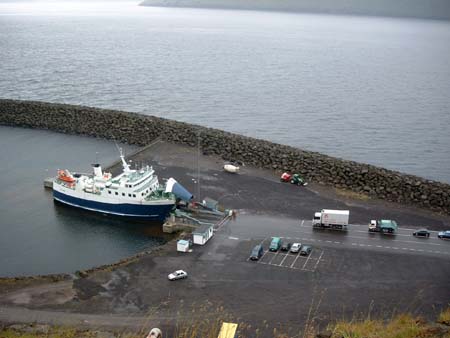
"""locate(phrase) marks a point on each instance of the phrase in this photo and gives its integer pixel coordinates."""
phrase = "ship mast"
(126, 166)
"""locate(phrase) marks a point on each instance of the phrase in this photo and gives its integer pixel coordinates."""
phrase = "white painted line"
(379, 246)
(263, 255)
(273, 257)
(317, 263)
(263, 241)
(234, 238)
(281, 264)
(295, 260)
(303, 221)
(307, 259)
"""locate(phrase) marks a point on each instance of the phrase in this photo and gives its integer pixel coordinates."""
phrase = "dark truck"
(385, 226)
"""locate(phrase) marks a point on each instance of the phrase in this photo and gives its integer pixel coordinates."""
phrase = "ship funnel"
(97, 170)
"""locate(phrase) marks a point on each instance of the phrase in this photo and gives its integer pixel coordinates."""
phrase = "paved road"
(248, 226)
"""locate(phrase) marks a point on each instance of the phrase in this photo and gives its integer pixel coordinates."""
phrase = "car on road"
(257, 252)
(295, 248)
(305, 250)
(421, 233)
(286, 246)
(444, 234)
(275, 244)
(179, 274)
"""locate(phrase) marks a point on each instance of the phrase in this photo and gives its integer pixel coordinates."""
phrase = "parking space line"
(307, 259)
(263, 241)
(285, 256)
(295, 260)
(318, 260)
(275, 255)
(263, 255)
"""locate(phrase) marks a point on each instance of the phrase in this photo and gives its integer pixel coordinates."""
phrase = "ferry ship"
(133, 193)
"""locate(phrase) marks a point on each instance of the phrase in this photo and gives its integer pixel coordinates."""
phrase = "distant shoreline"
(432, 9)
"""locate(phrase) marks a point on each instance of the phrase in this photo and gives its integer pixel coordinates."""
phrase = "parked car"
(286, 246)
(275, 244)
(444, 234)
(421, 233)
(295, 248)
(257, 252)
(179, 274)
(305, 250)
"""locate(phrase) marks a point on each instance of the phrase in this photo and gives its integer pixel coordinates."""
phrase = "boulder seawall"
(140, 129)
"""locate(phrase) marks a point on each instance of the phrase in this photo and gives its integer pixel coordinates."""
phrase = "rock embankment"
(141, 130)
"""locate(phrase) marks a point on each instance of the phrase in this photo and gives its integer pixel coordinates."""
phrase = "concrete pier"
(48, 182)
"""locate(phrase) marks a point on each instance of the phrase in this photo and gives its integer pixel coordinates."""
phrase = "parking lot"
(288, 260)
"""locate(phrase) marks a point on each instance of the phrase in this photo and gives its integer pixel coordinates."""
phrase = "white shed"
(203, 233)
(183, 245)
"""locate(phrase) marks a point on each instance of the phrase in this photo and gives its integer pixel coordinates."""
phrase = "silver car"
(179, 274)
(295, 248)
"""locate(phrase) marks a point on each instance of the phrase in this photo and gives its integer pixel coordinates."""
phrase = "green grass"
(401, 326)
(444, 317)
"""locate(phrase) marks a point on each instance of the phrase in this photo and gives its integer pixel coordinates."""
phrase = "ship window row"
(123, 194)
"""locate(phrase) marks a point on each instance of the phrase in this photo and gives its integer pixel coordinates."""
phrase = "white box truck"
(331, 219)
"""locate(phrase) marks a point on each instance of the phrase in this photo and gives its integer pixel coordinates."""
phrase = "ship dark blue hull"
(151, 212)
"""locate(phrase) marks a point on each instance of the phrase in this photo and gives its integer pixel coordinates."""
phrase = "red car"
(286, 177)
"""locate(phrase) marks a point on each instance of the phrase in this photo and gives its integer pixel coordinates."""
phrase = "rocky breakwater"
(141, 130)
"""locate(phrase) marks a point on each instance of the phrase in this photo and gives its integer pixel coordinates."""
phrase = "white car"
(179, 274)
(295, 248)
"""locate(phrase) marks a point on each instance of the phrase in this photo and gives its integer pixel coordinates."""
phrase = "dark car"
(257, 252)
(421, 233)
(305, 250)
(285, 246)
(444, 234)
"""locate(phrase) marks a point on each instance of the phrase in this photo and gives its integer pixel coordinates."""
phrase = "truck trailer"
(331, 219)
(385, 226)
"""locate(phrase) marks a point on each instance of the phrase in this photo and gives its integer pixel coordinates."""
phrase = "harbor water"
(40, 236)
(369, 89)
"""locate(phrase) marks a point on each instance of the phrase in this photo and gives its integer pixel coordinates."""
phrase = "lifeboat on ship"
(66, 176)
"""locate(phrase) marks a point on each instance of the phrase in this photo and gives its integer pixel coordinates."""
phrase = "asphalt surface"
(251, 226)
(348, 273)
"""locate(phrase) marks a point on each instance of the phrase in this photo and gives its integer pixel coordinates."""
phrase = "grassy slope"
(402, 326)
